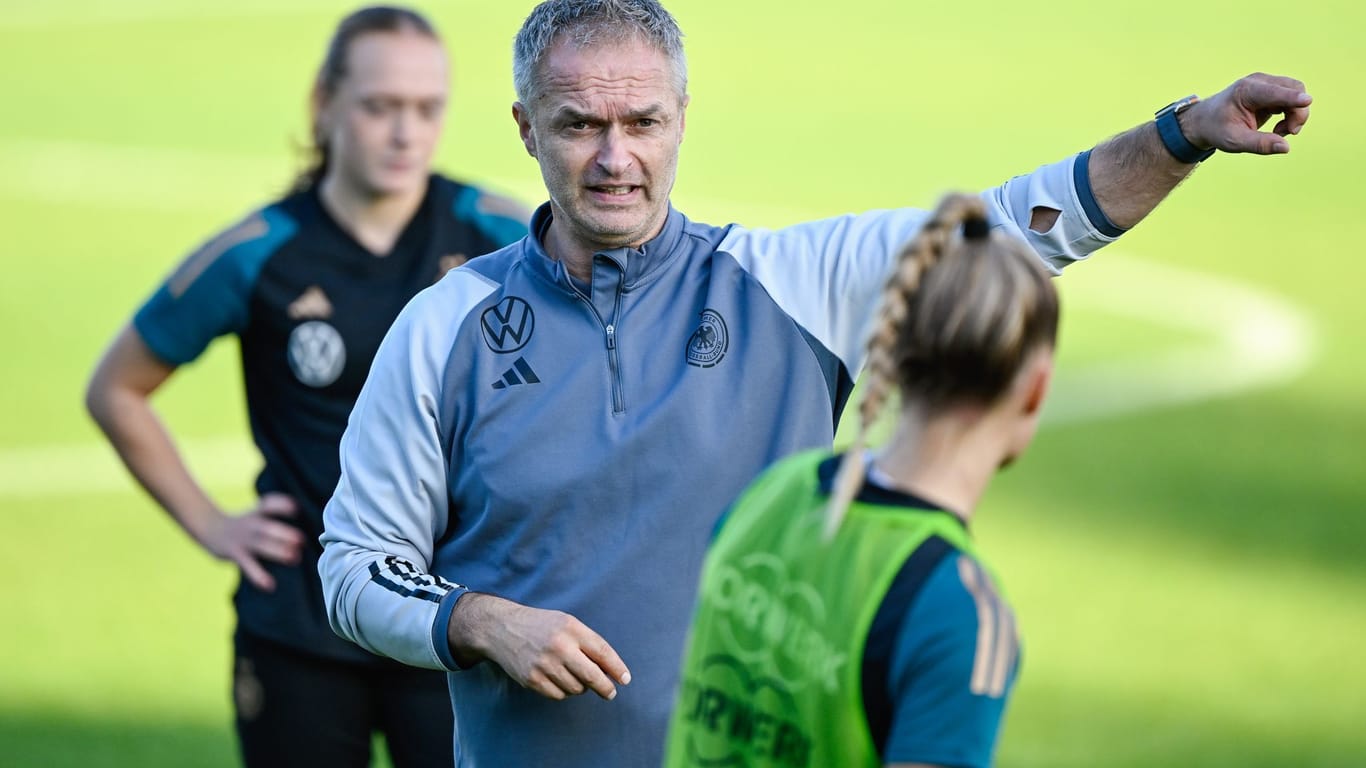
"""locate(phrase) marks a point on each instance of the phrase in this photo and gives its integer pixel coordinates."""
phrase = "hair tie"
(976, 228)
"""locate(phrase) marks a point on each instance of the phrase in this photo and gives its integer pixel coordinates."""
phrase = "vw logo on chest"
(508, 325)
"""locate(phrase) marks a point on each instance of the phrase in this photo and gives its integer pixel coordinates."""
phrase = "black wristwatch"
(1173, 139)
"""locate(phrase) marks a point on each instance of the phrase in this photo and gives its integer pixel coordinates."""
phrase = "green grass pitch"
(1184, 543)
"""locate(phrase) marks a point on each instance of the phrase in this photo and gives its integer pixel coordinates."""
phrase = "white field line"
(1247, 338)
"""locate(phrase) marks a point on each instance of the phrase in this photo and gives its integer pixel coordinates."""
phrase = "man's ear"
(1036, 384)
(523, 118)
(683, 117)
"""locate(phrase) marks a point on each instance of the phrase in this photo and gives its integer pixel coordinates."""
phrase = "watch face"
(1180, 105)
(1186, 103)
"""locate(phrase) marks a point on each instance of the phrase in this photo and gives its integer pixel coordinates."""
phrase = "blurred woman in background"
(309, 284)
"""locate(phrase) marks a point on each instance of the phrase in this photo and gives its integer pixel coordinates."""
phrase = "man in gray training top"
(558, 425)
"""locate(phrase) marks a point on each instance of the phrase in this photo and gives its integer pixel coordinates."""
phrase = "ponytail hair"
(960, 315)
(375, 18)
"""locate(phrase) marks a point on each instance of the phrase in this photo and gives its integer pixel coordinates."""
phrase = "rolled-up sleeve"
(1064, 186)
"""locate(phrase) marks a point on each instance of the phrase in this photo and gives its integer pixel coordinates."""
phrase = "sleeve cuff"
(440, 643)
(160, 340)
(1081, 178)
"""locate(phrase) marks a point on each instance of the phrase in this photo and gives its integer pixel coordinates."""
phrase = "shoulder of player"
(956, 621)
(926, 603)
(444, 306)
(240, 250)
(951, 585)
(500, 218)
(958, 586)
(209, 293)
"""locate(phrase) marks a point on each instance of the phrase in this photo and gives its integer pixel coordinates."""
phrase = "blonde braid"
(918, 256)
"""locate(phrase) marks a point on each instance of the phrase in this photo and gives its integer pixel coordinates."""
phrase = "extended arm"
(1133, 172)
(1064, 211)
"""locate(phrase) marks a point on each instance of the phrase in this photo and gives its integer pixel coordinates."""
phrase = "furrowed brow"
(654, 111)
(568, 114)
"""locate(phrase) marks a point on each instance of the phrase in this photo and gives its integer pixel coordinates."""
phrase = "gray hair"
(590, 22)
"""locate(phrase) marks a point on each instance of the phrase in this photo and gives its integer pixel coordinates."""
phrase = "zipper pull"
(611, 337)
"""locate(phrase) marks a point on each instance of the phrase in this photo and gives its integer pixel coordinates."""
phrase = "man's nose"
(614, 155)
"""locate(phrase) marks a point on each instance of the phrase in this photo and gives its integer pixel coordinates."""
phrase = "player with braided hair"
(844, 616)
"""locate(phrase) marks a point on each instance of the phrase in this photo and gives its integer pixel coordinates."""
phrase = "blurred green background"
(1184, 543)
